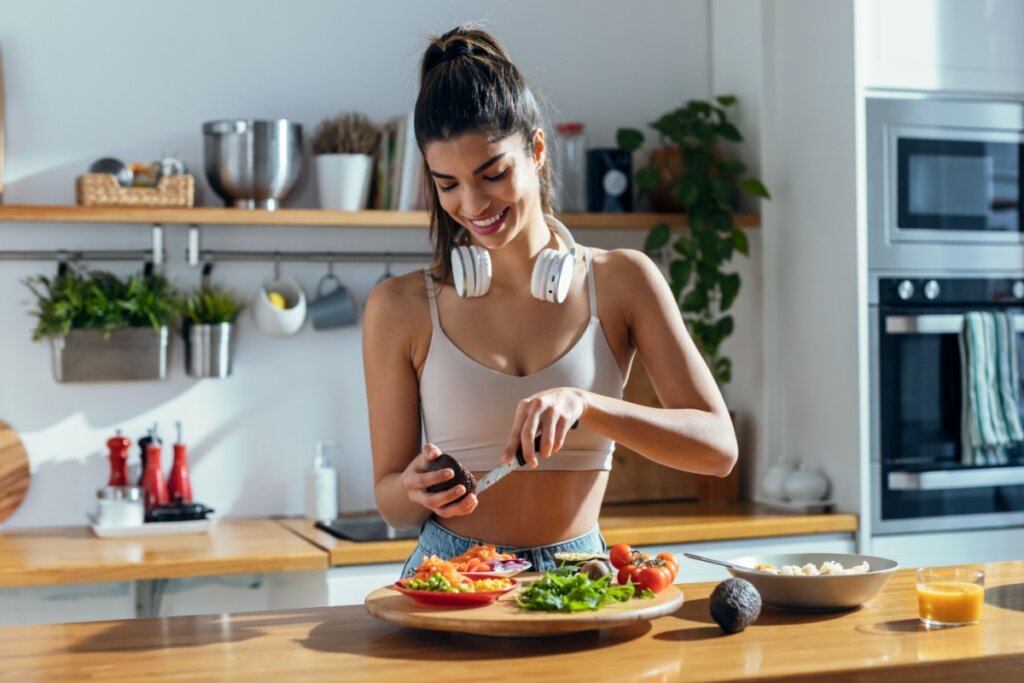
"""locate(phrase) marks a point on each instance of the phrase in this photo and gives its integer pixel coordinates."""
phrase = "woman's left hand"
(549, 414)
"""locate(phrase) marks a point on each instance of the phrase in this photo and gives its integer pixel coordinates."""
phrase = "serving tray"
(189, 526)
(503, 618)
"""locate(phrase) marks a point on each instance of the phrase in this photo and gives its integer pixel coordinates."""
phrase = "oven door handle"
(949, 323)
(959, 479)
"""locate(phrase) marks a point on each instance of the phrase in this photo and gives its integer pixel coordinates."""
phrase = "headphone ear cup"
(538, 282)
(483, 270)
(562, 272)
(460, 265)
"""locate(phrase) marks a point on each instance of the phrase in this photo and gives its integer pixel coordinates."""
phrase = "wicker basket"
(102, 189)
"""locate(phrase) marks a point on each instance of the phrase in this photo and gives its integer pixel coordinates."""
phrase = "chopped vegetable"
(435, 565)
(476, 558)
(440, 584)
(564, 590)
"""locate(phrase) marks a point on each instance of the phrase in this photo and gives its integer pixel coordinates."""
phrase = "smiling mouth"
(490, 225)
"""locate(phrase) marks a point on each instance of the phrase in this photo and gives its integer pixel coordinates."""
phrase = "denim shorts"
(436, 540)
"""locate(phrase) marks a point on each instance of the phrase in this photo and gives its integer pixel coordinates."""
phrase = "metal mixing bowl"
(253, 164)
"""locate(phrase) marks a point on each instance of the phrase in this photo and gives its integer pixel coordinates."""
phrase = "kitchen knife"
(497, 474)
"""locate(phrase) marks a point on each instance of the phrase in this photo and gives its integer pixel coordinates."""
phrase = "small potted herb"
(102, 327)
(343, 147)
(208, 318)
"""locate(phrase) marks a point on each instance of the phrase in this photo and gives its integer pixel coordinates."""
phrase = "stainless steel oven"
(944, 183)
(918, 480)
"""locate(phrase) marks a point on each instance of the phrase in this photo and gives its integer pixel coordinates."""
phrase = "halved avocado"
(735, 604)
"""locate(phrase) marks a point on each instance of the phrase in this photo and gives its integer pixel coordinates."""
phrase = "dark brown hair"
(468, 84)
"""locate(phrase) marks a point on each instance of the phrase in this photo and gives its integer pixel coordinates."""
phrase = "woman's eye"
(497, 177)
(447, 188)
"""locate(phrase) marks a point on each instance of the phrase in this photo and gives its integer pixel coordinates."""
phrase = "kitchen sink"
(372, 528)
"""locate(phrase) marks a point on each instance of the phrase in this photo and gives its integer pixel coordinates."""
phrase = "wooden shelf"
(313, 217)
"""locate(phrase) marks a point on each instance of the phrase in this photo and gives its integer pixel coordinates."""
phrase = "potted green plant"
(343, 147)
(208, 316)
(102, 327)
(705, 181)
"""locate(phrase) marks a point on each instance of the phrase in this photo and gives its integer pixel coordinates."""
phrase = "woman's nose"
(475, 203)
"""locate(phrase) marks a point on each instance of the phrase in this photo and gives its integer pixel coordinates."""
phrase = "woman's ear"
(540, 149)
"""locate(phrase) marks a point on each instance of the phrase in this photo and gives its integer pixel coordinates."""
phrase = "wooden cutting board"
(14, 471)
(503, 618)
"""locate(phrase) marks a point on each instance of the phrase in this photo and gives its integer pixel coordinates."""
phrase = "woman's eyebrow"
(480, 169)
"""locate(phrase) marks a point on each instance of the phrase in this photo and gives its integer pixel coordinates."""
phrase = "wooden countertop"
(647, 524)
(882, 641)
(33, 557)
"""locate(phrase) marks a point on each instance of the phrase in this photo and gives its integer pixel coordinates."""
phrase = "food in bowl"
(827, 568)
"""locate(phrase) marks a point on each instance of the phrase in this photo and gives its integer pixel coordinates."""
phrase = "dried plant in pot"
(102, 327)
(343, 148)
(208, 318)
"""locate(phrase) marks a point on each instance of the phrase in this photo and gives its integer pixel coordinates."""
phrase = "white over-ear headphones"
(552, 271)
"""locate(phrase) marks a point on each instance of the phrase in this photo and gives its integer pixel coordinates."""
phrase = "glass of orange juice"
(950, 596)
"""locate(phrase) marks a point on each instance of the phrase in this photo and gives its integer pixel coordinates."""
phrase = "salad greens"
(565, 590)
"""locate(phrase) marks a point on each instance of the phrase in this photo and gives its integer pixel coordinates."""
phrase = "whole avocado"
(735, 605)
(462, 476)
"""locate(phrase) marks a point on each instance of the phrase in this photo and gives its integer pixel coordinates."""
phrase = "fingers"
(437, 501)
(548, 433)
(463, 507)
(526, 437)
(426, 479)
(509, 454)
(429, 452)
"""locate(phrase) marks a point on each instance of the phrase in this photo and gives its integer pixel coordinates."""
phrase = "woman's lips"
(491, 228)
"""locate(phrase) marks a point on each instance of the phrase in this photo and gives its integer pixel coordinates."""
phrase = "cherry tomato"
(620, 555)
(627, 573)
(670, 561)
(655, 578)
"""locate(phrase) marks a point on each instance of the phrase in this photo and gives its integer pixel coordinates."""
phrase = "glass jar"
(120, 506)
(570, 166)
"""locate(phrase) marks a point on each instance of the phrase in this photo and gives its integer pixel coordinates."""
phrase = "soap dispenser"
(321, 487)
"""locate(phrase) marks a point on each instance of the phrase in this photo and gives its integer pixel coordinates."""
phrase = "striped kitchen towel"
(990, 417)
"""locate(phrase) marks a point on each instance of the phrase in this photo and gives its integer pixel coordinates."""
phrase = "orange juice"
(950, 602)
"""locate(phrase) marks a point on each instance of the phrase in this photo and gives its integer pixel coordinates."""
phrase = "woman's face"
(488, 187)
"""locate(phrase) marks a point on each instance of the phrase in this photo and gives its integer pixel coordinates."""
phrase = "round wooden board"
(503, 618)
(14, 471)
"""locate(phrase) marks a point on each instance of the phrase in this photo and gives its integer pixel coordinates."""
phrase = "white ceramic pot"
(344, 180)
(775, 479)
(805, 485)
(280, 322)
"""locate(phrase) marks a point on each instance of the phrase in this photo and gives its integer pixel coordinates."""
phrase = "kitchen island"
(881, 641)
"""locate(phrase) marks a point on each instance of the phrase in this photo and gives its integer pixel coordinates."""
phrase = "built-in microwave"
(944, 183)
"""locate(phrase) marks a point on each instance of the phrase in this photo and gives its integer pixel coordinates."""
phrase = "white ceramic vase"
(344, 180)
(805, 485)
(775, 479)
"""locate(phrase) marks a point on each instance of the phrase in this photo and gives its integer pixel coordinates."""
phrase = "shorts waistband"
(444, 530)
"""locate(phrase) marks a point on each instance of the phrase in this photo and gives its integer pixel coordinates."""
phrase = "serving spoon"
(722, 563)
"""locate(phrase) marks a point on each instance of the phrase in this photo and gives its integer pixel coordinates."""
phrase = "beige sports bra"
(468, 408)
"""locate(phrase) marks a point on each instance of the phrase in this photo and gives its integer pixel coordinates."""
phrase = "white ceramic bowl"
(279, 322)
(843, 591)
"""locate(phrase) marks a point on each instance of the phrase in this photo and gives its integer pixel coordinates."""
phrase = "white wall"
(136, 80)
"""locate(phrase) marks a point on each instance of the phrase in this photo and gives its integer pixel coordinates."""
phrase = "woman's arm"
(392, 390)
(692, 432)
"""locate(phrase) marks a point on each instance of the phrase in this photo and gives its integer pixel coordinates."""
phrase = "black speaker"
(609, 180)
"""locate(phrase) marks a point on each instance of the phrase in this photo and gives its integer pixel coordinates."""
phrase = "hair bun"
(457, 49)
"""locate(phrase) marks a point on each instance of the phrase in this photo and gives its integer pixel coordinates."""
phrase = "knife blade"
(499, 473)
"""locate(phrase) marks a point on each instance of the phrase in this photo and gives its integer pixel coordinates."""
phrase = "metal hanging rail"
(66, 255)
(218, 256)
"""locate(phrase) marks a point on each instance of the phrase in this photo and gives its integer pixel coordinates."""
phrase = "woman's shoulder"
(626, 268)
(399, 304)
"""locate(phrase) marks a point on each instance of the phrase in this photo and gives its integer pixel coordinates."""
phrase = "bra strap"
(432, 300)
(591, 287)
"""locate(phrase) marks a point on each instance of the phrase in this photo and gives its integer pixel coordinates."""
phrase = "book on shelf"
(399, 173)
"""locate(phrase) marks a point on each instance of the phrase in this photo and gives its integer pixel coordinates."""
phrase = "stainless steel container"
(91, 356)
(208, 350)
(253, 164)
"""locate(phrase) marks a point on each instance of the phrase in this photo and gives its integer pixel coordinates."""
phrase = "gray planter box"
(136, 353)
(208, 350)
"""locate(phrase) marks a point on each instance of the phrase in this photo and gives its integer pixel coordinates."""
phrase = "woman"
(483, 351)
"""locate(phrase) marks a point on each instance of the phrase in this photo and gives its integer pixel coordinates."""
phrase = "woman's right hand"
(417, 477)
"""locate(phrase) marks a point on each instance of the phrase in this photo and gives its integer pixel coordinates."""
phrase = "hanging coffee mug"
(280, 304)
(333, 307)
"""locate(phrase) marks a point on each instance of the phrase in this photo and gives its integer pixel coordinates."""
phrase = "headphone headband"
(560, 228)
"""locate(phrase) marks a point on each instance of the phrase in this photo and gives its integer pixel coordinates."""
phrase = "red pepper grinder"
(179, 486)
(118, 446)
(153, 482)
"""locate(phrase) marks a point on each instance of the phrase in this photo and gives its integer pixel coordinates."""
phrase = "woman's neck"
(512, 264)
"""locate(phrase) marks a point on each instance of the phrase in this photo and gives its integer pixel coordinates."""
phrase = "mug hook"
(330, 263)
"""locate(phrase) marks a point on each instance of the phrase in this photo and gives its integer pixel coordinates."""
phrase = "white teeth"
(490, 221)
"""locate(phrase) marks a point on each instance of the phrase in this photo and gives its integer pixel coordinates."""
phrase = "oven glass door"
(920, 415)
(958, 184)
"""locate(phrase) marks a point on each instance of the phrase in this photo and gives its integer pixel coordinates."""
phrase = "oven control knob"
(1018, 289)
(931, 290)
(905, 290)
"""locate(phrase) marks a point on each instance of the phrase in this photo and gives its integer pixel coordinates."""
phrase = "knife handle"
(521, 459)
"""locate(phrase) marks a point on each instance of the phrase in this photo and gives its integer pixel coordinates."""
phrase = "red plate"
(454, 599)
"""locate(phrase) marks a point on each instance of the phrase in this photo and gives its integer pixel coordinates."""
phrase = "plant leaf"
(753, 186)
(726, 100)
(685, 246)
(730, 286)
(729, 132)
(658, 237)
(739, 241)
(647, 178)
(722, 370)
(696, 300)
(679, 271)
(629, 139)
(724, 326)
